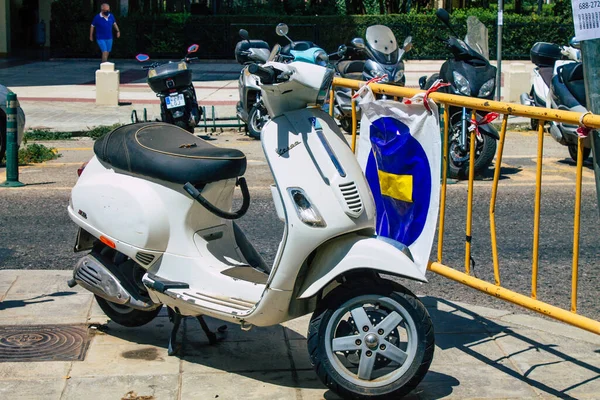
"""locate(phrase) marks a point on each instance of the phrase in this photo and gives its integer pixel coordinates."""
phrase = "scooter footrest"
(161, 285)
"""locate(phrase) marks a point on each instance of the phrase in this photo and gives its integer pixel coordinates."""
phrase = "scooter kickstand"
(212, 337)
(175, 318)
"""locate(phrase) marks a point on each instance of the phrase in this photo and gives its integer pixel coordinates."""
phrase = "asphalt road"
(36, 233)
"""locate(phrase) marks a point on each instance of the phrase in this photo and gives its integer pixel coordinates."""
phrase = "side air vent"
(144, 258)
(352, 198)
(88, 274)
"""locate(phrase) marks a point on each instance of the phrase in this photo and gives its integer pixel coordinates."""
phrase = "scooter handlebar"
(266, 74)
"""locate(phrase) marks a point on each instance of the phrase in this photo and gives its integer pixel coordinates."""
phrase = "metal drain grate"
(43, 343)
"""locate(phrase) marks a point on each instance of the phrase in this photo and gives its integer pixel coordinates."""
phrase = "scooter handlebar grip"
(266, 74)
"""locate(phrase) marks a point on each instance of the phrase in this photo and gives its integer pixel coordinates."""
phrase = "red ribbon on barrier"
(487, 118)
(438, 84)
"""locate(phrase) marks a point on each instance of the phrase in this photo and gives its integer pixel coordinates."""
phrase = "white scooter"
(547, 57)
(154, 206)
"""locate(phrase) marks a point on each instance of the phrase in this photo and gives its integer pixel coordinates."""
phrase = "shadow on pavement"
(493, 331)
(6, 304)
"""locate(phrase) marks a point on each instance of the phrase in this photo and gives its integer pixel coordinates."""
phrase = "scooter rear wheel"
(371, 340)
(573, 152)
(125, 315)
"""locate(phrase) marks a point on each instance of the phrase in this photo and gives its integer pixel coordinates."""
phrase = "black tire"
(430, 80)
(484, 155)
(535, 123)
(346, 125)
(184, 125)
(125, 315)
(573, 152)
(421, 355)
(2, 135)
(256, 120)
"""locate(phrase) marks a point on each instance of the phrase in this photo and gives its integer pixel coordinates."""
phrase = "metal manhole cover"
(43, 343)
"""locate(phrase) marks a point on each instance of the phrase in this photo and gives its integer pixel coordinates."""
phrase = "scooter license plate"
(175, 101)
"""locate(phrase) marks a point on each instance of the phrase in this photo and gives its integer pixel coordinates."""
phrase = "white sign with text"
(586, 18)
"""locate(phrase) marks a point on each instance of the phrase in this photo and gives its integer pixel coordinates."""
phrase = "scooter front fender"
(489, 130)
(354, 252)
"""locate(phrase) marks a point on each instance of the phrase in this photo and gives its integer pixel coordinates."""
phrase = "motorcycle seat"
(302, 45)
(572, 76)
(168, 153)
(351, 69)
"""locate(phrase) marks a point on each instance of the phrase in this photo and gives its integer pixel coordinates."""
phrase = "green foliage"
(167, 35)
(37, 153)
(45, 134)
(100, 131)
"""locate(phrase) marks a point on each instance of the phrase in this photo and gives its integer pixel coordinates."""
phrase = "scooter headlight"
(182, 66)
(487, 88)
(306, 211)
(379, 73)
(321, 58)
(398, 75)
(461, 83)
(151, 73)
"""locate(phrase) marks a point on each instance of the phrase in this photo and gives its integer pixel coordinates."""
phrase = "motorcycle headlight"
(321, 58)
(461, 83)
(182, 66)
(487, 88)
(398, 75)
(325, 86)
(151, 73)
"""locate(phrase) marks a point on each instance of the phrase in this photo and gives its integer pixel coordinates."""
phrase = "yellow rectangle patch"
(399, 187)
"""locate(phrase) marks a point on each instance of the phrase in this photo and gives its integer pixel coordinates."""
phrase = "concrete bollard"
(107, 85)
(12, 145)
(517, 80)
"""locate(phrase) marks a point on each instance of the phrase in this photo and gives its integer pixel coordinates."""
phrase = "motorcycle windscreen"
(382, 42)
(477, 37)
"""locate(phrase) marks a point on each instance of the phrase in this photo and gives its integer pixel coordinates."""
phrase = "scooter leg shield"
(355, 252)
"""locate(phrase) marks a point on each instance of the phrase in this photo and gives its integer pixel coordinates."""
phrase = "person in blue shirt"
(103, 24)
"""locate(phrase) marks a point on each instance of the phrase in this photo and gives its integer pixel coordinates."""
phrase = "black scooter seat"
(571, 75)
(169, 153)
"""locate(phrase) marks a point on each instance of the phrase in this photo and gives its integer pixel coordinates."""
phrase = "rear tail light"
(80, 169)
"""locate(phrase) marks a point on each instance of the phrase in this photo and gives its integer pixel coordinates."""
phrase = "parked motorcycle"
(166, 236)
(250, 108)
(382, 59)
(469, 74)
(172, 83)
(566, 90)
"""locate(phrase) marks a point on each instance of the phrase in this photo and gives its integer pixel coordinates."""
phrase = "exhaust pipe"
(526, 100)
(556, 133)
(101, 279)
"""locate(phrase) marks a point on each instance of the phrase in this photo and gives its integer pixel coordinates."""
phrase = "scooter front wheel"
(371, 341)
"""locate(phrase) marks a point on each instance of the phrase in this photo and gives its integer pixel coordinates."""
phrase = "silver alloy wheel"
(370, 340)
(258, 120)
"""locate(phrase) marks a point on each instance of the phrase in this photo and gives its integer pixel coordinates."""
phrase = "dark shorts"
(105, 45)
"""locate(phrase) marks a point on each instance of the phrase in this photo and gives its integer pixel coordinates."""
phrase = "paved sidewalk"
(481, 353)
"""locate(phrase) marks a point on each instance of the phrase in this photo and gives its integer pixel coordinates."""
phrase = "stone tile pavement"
(481, 353)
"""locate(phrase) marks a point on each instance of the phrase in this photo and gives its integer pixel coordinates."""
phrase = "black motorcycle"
(172, 83)
(469, 73)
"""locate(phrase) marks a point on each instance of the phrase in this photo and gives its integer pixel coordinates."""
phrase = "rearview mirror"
(342, 50)
(281, 29)
(358, 43)
(142, 57)
(244, 34)
(193, 48)
(407, 43)
(443, 16)
(574, 43)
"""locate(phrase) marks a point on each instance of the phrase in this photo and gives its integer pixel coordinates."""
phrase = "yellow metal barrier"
(506, 109)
